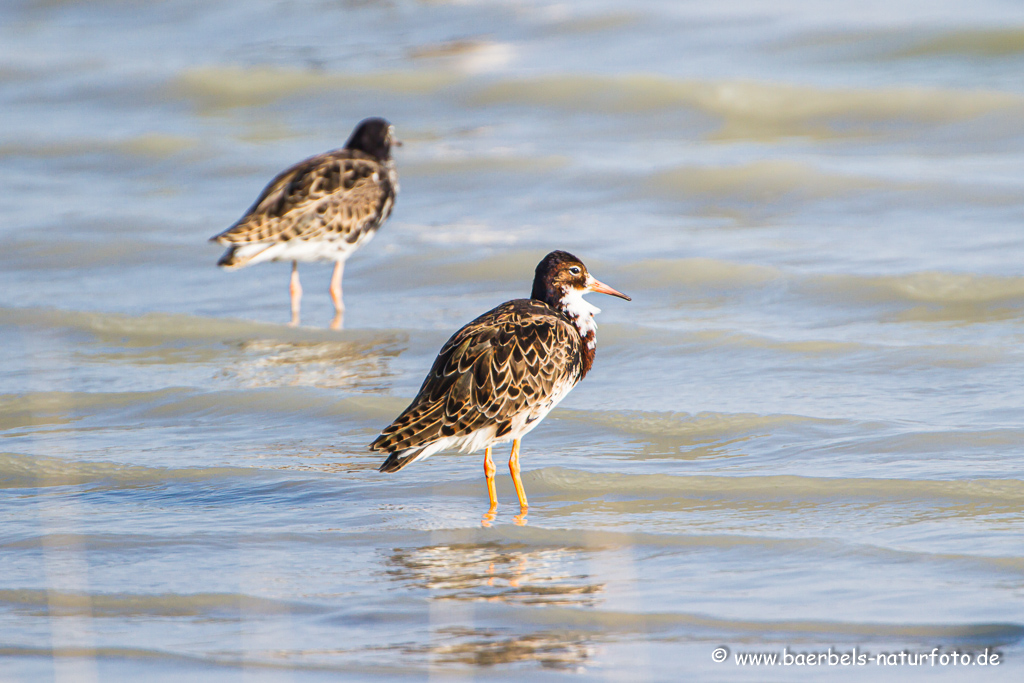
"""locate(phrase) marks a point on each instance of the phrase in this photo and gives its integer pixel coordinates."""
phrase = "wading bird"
(320, 209)
(498, 376)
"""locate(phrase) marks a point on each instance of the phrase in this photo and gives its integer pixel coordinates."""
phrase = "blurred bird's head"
(374, 136)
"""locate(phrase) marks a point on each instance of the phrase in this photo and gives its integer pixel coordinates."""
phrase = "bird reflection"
(353, 365)
(497, 573)
(489, 647)
(513, 574)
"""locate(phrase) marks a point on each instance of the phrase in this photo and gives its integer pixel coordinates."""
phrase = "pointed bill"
(596, 285)
(395, 142)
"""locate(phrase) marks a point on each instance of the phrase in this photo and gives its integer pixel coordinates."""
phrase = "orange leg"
(339, 306)
(295, 289)
(513, 467)
(489, 470)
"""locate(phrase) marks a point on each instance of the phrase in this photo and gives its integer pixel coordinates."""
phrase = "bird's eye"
(575, 270)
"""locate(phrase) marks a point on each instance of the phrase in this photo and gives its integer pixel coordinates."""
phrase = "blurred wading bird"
(498, 376)
(320, 209)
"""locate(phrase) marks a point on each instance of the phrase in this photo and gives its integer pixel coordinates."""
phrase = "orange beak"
(602, 288)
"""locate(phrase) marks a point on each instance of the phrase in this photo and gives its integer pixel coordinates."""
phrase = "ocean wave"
(945, 289)
(278, 401)
(977, 43)
(449, 165)
(19, 471)
(754, 110)
(924, 295)
(468, 55)
(222, 87)
(132, 330)
(701, 272)
(152, 145)
(1005, 495)
(175, 405)
(703, 626)
(759, 182)
(691, 428)
(206, 606)
(50, 408)
(81, 254)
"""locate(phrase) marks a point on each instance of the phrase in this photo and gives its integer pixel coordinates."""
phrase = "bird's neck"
(581, 314)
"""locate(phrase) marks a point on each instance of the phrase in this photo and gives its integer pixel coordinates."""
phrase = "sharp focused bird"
(320, 209)
(497, 377)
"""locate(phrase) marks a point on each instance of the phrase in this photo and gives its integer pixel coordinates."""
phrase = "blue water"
(804, 431)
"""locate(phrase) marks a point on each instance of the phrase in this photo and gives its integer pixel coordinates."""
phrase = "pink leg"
(296, 291)
(339, 306)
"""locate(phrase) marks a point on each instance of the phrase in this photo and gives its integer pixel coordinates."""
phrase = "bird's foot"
(489, 517)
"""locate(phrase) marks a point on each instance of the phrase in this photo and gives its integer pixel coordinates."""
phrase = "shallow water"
(804, 431)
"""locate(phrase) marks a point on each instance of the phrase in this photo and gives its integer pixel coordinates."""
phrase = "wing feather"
(509, 361)
(341, 193)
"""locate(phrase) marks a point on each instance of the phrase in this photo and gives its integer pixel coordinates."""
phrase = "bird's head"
(375, 137)
(561, 280)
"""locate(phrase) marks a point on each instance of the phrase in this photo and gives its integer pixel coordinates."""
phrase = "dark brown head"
(374, 137)
(561, 279)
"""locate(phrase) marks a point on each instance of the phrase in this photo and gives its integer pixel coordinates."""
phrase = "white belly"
(302, 250)
(522, 425)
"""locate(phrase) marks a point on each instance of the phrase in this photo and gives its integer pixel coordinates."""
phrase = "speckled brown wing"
(509, 361)
(343, 192)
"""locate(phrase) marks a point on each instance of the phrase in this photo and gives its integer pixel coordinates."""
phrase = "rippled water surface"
(804, 432)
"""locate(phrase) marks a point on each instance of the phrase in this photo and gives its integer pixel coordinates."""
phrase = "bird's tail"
(241, 255)
(400, 459)
(227, 259)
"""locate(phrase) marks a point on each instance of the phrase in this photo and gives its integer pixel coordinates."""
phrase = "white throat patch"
(581, 312)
